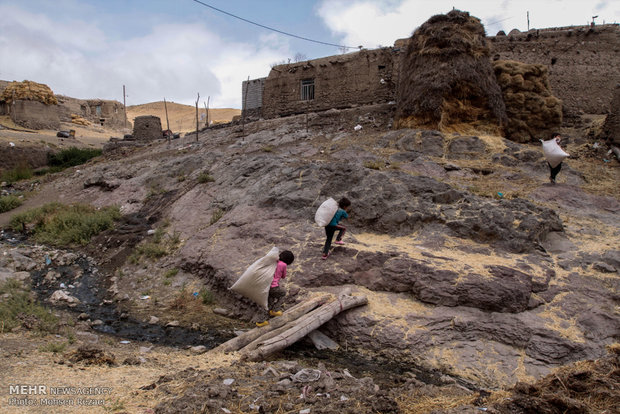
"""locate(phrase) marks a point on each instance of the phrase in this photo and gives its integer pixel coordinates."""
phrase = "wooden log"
(303, 326)
(259, 340)
(290, 315)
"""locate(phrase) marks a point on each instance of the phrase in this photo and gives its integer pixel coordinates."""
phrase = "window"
(307, 89)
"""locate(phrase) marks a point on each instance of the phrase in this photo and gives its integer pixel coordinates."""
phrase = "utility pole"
(207, 109)
(197, 99)
(168, 131)
(528, 21)
(124, 107)
(244, 106)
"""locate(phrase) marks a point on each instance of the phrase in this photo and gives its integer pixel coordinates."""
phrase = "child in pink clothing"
(276, 292)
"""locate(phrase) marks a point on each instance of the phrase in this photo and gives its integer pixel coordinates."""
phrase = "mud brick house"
(98, 111)
(583, 64)
(34, 105)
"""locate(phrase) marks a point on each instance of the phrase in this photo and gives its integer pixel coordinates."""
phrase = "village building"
(34, 105)
(583, 65)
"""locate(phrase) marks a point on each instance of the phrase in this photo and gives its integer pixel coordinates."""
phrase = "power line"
(499, 21)
(275, 30)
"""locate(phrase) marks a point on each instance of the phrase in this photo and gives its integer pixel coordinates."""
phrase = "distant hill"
(182, 118)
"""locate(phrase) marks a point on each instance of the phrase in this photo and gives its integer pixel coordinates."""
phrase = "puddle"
(89, 289)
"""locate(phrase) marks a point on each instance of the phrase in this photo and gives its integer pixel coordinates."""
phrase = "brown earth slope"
(181, 118)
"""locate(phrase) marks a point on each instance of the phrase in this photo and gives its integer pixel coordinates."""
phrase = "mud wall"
(98, 111)
(342, 81)
(34, 114)
(583, 62)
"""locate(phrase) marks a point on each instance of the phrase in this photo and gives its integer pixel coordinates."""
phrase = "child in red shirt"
(276, 292)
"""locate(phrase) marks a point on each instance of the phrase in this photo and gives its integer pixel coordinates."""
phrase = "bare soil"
(181, 118)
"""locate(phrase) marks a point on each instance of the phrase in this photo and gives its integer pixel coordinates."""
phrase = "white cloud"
(174, 60)
(381, 22)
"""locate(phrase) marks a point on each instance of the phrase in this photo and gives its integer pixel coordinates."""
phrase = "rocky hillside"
(475, 266)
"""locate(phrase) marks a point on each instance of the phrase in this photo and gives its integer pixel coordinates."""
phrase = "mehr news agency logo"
(42, 395)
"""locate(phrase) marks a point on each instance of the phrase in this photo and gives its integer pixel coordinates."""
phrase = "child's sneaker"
(338, 242)
(261, 324)
(275, 313)
(324, 256)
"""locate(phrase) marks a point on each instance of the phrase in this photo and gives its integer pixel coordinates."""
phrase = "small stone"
(83, 316)
(200, 349)
(132, 360)
(153, 320)
(221, 311)
(173, 323)
(604, 267)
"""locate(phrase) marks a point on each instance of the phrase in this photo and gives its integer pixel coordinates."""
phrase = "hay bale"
(533, 112)
(611, 127)
(30, 91)
(76, 119)
(447, 78)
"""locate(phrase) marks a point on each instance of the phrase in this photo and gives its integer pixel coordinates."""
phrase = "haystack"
(611, 127)
(447, 78)
(533, 112)
(76, 119)
(30, 91)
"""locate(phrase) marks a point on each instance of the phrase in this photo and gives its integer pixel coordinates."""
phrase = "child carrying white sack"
(261, 281)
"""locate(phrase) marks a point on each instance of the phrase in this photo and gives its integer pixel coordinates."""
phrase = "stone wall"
(34, 114)
(583, 62)
(342, 81)
(147, 128)
(252, 98)
(252, 93)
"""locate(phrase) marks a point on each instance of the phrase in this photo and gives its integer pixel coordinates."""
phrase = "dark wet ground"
(83, 280)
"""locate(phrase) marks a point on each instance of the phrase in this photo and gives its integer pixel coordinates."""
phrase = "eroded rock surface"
(486, 287)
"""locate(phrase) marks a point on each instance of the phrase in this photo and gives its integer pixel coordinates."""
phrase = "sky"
(175, 49)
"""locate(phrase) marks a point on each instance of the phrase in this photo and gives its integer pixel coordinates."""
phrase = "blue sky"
(177, 48)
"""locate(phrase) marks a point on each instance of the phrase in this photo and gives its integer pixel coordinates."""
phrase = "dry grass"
(418, 403)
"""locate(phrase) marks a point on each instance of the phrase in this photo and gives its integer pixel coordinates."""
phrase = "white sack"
(255, 282)
(553, 153)
(325, 212)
